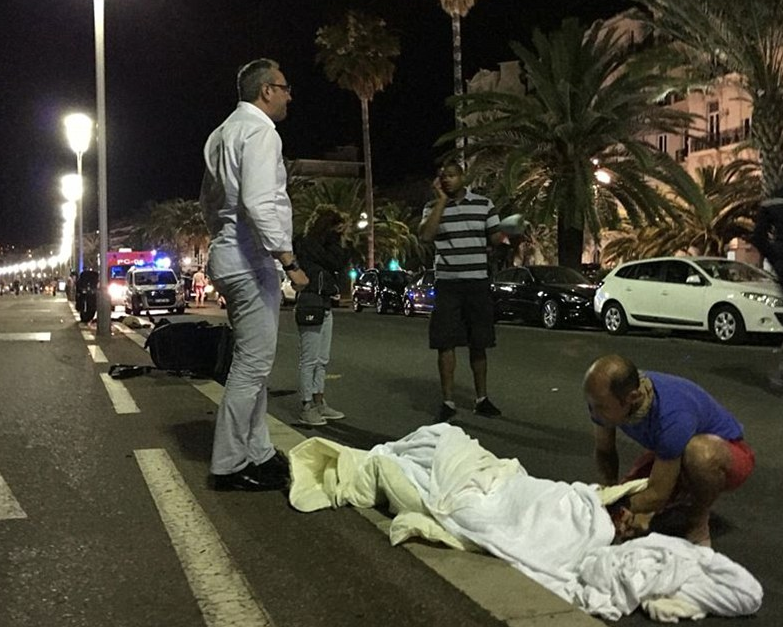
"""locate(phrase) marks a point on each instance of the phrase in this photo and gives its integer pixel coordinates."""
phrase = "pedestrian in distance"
(695, 448)
(322, 255)
(199, 283)
(248, 213)
(767, 237)
(462, 225)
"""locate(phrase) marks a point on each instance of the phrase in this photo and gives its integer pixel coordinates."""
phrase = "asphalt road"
(92, 551)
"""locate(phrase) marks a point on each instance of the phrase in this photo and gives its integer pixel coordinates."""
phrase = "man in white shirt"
(248, 212)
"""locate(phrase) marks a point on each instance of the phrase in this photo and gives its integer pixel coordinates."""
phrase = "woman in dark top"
(322, 255)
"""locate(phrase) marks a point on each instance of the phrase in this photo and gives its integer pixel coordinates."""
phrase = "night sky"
(170, 68)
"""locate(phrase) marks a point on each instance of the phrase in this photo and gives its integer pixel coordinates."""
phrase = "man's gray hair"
(252, 75)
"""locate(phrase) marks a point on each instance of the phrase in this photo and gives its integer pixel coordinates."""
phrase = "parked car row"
(726, 298)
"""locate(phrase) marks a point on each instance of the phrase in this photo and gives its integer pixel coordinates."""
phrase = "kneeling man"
(695, 446)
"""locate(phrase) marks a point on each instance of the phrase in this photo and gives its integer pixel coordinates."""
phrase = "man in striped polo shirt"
(462, 225)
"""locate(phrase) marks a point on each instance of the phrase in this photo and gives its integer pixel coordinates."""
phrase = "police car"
(150, 288)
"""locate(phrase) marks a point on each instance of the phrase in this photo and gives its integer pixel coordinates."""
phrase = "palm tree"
(732, 193)
(307, 194)
(393, 238)
(744, 38)
(585, 108)
(177, 225)
(357, 54)
(457, 9)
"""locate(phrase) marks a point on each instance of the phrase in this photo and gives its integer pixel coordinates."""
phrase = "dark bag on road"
(199, 348)
(309, 309)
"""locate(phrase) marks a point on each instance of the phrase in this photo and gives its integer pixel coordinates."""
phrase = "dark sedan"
(553, 296)
(419, 296)
(380, 289)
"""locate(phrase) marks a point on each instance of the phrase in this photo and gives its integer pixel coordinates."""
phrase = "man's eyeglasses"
(285, 88)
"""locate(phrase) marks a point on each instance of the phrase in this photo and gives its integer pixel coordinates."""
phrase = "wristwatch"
(291, 266)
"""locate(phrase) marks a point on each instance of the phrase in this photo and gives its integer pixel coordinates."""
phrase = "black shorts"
(463, 315)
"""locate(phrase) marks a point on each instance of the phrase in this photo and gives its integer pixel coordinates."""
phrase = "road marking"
(26, 337)
(221, 590)
(97, 354)
(131, 334)
(120, 397)
(88, 336)
(9, 506)
(211, 389)
(491, 583)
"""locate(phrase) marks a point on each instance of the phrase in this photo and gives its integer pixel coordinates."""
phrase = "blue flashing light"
(394, 265)
(352, 274)
(163, 262)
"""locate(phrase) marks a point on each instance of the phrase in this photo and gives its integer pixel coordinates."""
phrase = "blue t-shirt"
(680, 409)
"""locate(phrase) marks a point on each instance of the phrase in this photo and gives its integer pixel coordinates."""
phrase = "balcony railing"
(718, 140)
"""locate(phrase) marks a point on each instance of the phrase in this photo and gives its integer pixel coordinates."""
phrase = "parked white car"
(727, 298)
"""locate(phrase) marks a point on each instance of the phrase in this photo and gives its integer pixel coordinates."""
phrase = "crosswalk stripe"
(9, 506)
(120, 397)
(97, 354)
(88, 336)
(221, 590)
(131, 334)
(26, 337)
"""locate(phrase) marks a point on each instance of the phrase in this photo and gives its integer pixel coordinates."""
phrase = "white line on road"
(120, 397)
(221, 590)
(88, 336)
(9, 506)
(131, 334)
(26, 337)
(97, 354)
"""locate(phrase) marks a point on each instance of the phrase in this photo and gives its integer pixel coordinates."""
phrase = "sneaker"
(446, 413)
(311, 416)
(249, 479)
(328, 413)
(486, 409)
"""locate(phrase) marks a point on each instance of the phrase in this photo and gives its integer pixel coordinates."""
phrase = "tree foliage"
(732, 193)
(745, 39)
(585, 108)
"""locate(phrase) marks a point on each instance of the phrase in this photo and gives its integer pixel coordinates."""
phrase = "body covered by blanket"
(445, 487)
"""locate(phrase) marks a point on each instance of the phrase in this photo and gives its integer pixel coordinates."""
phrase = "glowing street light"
(363, 221)
(78, 130)
(603, 176)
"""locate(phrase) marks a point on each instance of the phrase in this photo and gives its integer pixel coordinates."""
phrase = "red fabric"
(742, 464)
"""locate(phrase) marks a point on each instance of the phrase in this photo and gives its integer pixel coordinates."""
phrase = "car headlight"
(573, 298)
(764, 299)
(116, 291)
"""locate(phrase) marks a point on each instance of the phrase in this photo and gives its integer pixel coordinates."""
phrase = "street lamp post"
(78, 130)
(71, 188)
(104, 303)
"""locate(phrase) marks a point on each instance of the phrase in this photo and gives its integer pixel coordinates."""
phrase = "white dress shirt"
(243, 194)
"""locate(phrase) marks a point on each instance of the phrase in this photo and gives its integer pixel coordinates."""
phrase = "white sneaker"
(328, 413)
(311, 416)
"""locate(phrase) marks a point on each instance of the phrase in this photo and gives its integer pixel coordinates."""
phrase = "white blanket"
(443, 486)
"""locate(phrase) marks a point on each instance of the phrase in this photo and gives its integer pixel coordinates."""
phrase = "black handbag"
(310, 309)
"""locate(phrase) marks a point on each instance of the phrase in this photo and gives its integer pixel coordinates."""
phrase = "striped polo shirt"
(461, 239)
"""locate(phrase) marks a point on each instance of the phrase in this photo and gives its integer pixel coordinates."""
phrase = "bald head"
(611, 386)
(618, 374)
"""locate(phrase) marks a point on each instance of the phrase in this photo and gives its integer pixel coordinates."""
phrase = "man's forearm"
(647, 501)
(429, 227)
(608, 465)
(285, 257)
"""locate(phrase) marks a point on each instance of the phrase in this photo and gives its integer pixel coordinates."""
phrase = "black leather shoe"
(249, 479)
(276, 465)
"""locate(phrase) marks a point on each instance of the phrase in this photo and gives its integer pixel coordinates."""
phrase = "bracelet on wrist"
(291, 266)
